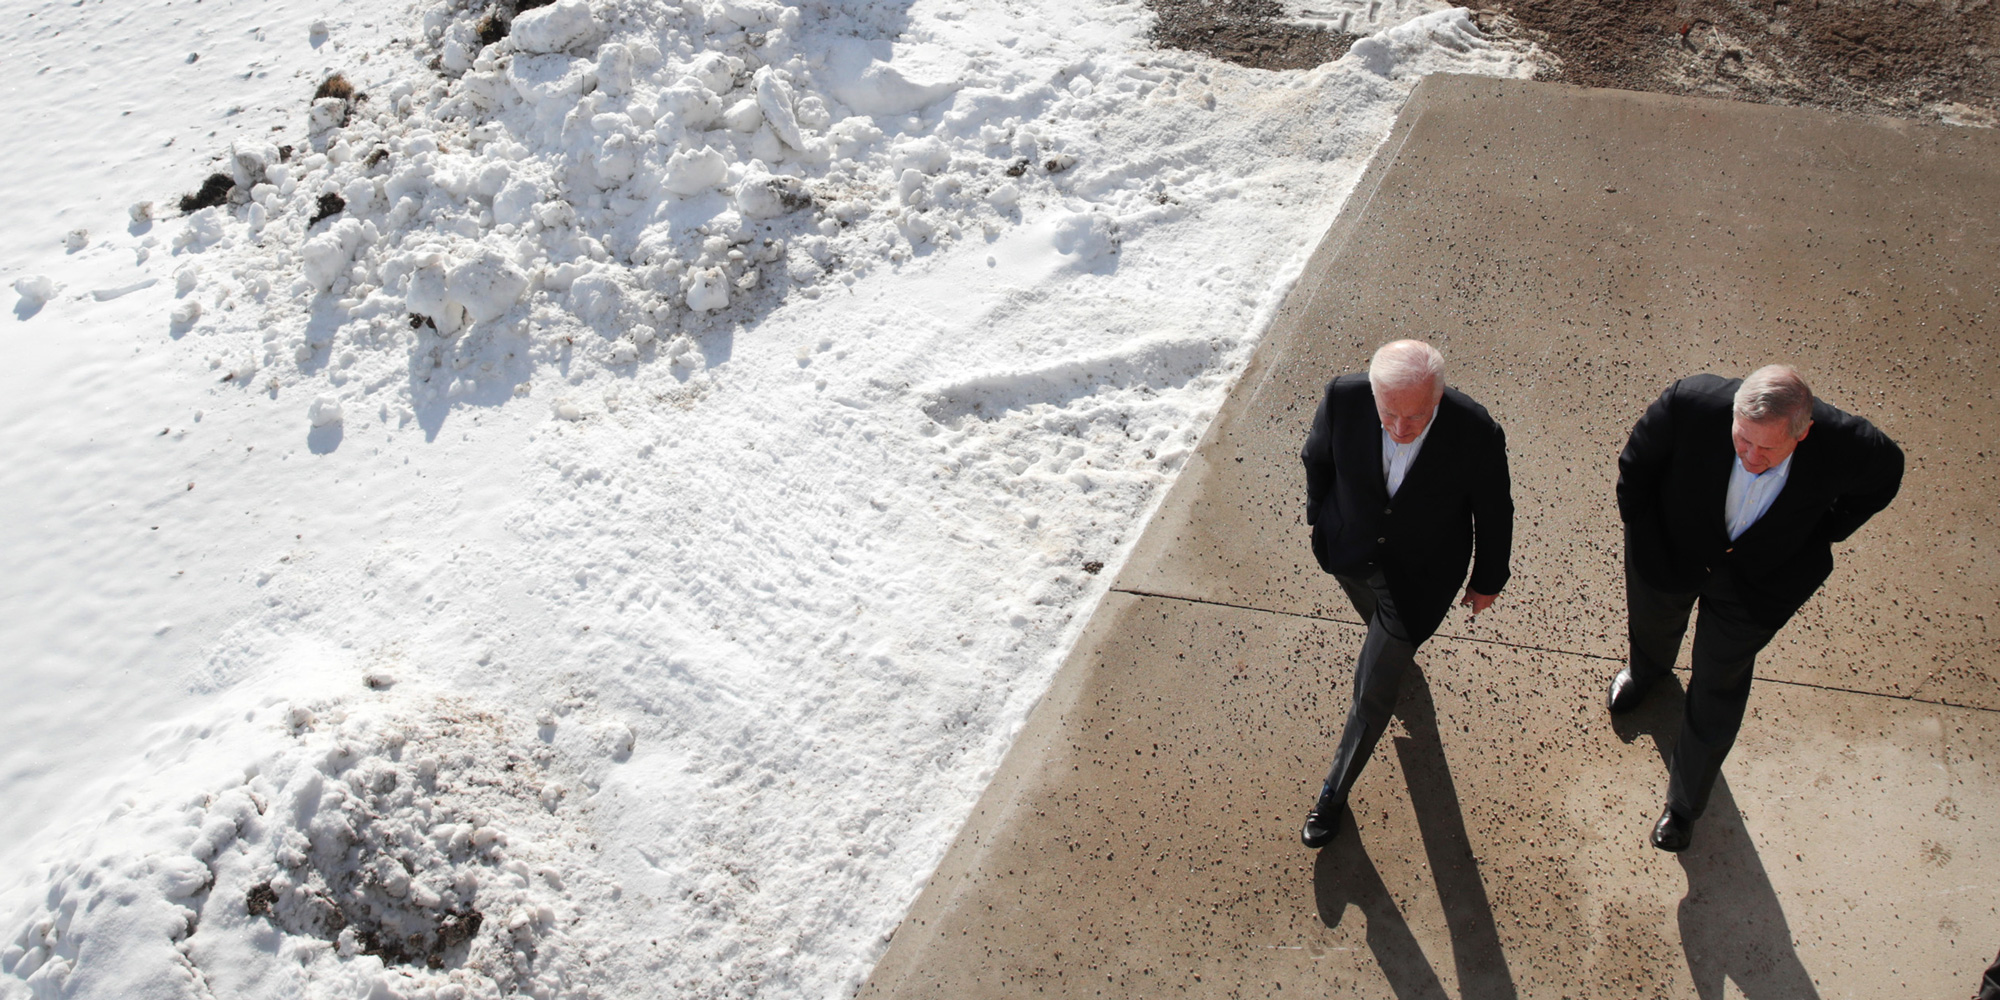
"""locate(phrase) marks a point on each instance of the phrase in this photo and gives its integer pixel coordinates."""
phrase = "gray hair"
(1406, 364)
(1776, 392)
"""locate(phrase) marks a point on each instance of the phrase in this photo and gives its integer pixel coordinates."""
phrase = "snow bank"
(696, 165)
(706, 161)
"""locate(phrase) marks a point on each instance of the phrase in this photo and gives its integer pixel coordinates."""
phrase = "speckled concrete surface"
(1572, 251)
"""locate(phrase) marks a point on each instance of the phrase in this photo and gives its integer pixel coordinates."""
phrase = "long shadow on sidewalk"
(1345, 875)
(1731, 923)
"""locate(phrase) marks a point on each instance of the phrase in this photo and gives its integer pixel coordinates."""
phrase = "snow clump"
(35, 289)
(186, 313)
(324, 411)
(560, 27)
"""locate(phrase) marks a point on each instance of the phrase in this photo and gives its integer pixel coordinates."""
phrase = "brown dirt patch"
(1246, 32)
(1912, 58)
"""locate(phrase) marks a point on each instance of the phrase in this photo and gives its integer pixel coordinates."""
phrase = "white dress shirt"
(1397, 458)
(1750, 495)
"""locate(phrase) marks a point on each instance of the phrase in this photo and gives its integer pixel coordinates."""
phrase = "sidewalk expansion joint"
(1551, 649)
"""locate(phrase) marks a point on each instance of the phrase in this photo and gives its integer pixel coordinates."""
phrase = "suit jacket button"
(1388, 510)
(1381, 541)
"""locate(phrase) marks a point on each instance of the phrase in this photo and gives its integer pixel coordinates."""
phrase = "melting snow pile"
(435, 845)
(650, 170)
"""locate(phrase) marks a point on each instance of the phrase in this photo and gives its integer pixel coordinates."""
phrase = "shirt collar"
(1782, 469)
(1392, 443)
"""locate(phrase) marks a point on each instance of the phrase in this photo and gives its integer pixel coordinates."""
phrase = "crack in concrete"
(1551, 649)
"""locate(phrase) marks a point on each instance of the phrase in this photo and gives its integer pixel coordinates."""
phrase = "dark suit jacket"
(1674, 475)
(1424, 537)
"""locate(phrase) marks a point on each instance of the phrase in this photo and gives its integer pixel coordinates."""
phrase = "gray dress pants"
(1989, 984)
(1726, 643)
(1386, 655)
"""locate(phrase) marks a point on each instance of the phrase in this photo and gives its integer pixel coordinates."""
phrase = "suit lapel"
(1715, 491)
(1427, 456)
(1801, 484)
(1371, 444)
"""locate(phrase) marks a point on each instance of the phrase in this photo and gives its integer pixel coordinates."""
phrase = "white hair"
(1775, 392)
(1406, 364)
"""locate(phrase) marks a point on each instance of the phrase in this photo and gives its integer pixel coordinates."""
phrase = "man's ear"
(1803, 433)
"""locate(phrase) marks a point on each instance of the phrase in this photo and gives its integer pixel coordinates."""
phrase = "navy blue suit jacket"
(1455, 493)
(1674, 475)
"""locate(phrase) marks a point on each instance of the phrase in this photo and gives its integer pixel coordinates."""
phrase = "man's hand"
(1477, 601)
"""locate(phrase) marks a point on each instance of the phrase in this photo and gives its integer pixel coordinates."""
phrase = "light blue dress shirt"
(1750, 495)
(1397, 458)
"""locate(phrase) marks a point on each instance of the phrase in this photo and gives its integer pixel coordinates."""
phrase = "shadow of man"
(1345, 875)
(1731, 924)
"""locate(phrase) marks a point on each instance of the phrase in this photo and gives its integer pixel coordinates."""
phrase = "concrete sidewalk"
(1572, 251)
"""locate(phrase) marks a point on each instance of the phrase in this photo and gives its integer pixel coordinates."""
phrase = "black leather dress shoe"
(1321, 825)
(1673, 832)
(1626, 692)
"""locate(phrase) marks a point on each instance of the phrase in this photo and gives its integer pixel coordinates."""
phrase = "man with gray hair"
(1402, 474)
(1749, 537)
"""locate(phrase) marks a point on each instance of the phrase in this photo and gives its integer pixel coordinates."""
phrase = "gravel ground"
(1938, 59)
(1247, 32)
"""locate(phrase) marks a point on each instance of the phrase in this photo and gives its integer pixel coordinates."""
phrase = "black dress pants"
(1386, 655)
(1726, 642)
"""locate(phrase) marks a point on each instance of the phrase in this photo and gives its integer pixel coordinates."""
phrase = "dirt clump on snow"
(214, 191)
(334, 86)
(1250, 33)
(493, 27)
(1914, 59)
(499, 18)
(330, 205)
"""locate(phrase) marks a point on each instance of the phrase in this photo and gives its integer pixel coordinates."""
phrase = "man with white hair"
(1748, 536)
(1404, 477)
